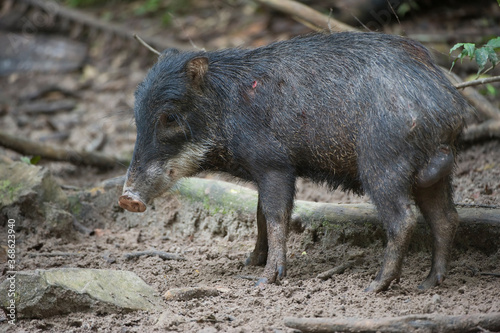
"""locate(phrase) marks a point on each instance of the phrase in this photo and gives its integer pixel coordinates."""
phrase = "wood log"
(485, 109)
(53, 8)
(358, 224)
(28, 147)
(488, 129)
(410, 323)
(306, 213)
(307, 14)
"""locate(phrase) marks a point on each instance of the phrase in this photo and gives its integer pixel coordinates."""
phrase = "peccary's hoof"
(432, 280)
(281, 272)
(256, 259)
(376, 286)
(131, 203)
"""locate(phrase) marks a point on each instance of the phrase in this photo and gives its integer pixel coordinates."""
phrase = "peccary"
(366, 112)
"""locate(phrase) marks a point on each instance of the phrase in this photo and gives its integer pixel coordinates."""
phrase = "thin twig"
(394, 12)
(248, 277)
(477, 82)
(484, 108)
(472, 205)
(54, 254)
(308, 14)
(50, 152)
(149, 47)
(336, 270)
(81, 228)
(163, 255)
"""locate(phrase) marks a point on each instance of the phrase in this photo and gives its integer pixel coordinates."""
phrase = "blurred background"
(68, 71)
(68, 68)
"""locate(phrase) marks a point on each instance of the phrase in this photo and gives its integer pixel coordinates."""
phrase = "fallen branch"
(336, 270)
(478, 101)
(189, 293)
(230, 196)
(411, 323)
(54, 254)
(55, 10)
(81, 228)
(485, 130)
(479, 227)
(48, 107)
(28, 147)
(477, 82)
(163, 255)
(307, 14)
(98, 143)
(311, 16)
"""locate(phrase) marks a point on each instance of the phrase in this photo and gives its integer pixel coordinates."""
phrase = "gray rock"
(436, 299)
(44, 293)
(43, 53)
(28, 187)
(169, 319)
(58, 222)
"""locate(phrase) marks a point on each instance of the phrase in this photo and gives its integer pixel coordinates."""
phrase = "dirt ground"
(104, 95)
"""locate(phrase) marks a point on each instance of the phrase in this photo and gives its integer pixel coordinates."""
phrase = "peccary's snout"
(131, 202)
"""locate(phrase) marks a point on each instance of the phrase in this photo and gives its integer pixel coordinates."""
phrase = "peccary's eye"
(168, 126)
(167, 119)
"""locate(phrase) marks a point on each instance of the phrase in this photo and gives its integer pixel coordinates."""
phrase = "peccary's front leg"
(259, 255)
(276, 194)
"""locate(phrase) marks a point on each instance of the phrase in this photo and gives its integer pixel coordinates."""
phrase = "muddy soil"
(214, 258)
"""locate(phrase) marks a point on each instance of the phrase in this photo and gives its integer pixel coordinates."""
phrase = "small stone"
(185, 294)
(436, 299)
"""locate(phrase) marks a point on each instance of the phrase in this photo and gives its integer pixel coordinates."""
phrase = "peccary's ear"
(196, 69)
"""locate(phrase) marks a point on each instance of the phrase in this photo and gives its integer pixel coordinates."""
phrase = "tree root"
(28, 147)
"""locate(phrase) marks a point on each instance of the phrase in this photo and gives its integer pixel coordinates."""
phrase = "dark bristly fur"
(364, 111)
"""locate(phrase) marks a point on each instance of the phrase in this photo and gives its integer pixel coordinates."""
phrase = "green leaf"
(494, 42)
(456, 46)
(454, 61)
(492, 56)
(35, 159)
(492, 91)
(469, 48)
(481, 58)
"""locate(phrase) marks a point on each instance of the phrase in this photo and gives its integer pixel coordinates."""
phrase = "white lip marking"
(161, 177)
(186, 163)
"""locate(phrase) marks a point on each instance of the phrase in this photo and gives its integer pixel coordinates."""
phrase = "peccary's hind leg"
(390, 191)
(399, 222)
(436, 204)
(259, 255)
